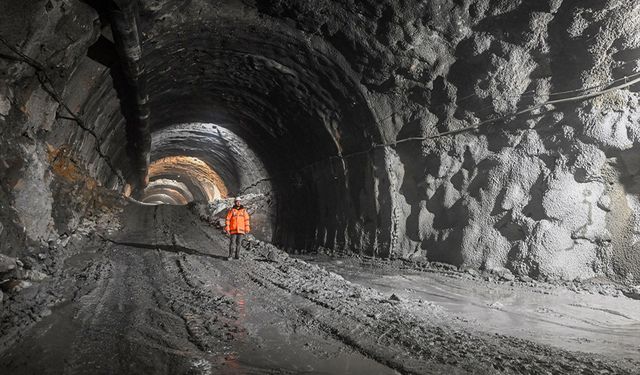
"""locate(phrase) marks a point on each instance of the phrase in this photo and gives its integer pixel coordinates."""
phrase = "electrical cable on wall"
(629, 80)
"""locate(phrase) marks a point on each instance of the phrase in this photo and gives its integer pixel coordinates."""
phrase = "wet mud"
(544, 313)
(157, 297)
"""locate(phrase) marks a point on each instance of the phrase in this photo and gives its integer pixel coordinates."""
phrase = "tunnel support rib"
(135, 104)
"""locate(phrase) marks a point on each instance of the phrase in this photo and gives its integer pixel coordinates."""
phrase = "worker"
(237, 225)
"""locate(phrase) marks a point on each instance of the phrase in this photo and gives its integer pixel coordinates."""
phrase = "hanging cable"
(629, 80)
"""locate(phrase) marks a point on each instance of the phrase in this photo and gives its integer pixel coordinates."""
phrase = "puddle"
(577, 322)
(270, 344)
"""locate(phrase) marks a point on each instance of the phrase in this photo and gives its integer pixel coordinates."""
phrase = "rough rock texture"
(35, 204)
(323, 93)
(543, 194)
(546, 194)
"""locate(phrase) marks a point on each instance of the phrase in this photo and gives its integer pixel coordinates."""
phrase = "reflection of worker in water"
(237, 226)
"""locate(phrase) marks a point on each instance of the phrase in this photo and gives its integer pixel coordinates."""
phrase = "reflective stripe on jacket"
(237, 221)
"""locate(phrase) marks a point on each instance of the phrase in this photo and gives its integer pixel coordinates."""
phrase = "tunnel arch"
(292, 99)
(188, 174)
(171, 187)
(297, 104)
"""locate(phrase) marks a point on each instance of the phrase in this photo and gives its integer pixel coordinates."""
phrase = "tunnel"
(468, 168)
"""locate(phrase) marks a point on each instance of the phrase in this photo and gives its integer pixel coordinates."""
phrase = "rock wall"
(326, 93)
(49, 168)
(550, 193)
(545, 193)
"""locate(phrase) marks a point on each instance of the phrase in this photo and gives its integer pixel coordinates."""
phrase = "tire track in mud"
(208, 317)
(124, 316)
(263, 298)
(378, 328)
(353, 329)
(412, 344)
(174, 309)
(386, 330)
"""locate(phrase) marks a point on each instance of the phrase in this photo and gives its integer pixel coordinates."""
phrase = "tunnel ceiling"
(225, 63)
(202, 183)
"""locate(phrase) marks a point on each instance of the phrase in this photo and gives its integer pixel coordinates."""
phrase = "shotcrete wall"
(549, 193)
(325, 93)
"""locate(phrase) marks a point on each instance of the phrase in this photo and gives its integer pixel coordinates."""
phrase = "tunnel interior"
(289, 101)
(244, 106)
(443, 186)
(483, 135)
(285, 120)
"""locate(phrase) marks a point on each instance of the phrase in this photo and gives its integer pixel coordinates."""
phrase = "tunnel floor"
(579, 320)
(159, 297)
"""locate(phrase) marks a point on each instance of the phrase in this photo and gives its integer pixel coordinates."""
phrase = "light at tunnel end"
(183, 179)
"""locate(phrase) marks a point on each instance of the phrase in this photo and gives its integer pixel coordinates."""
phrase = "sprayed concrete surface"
(158, 297)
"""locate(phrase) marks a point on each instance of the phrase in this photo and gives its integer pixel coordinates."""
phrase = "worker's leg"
(232, 239)
(238, 244)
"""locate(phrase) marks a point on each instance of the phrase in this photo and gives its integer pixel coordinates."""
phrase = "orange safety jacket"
(237, 221)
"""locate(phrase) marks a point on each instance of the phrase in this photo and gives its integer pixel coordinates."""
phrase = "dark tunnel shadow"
(169, 248)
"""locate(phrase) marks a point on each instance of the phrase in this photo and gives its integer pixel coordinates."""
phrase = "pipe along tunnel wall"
(302, 92)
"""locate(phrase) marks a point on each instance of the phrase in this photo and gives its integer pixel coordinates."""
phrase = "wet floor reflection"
(558, 317)
(268, 341)
(231, 361)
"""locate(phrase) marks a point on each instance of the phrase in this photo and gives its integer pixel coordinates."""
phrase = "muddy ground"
(156, 295)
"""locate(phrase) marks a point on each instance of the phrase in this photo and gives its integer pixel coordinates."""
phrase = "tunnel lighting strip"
(44, 79)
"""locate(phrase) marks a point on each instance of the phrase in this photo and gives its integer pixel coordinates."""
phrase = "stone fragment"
(64, 241)
(7, 263)
(14, 285)
(633, 293)
(444, 266)
(525, 278)
(375, 316)
(472, 271)
(394, 297)
(604, 203)
(34, 275)
(29, 263)
(5, 101)
(271, 256)
(504, 274)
